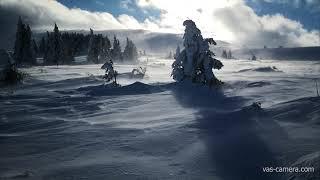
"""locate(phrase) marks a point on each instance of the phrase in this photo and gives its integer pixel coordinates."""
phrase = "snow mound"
(309, 160)
(106, 90)
(305, 110)
(262, 69)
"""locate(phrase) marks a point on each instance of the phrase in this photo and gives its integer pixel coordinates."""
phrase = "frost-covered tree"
(110, 72)
(23, 47)
(116, 50)
(130, 52)
(195, 62)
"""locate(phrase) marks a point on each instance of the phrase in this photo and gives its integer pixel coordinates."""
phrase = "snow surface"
(63, 123)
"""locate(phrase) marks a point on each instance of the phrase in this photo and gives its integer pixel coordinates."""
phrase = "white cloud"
(230, 20)
(127, 4)
(43, 14)
(233, 21)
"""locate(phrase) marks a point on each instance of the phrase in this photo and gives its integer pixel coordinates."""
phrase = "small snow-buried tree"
(110, 73)
(195, 61)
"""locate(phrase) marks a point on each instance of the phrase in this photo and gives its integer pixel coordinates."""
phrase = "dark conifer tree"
(224, 54)
(35, 48)
(42, 46)
(23, 48)
(130, 52)
(18, 45)
(105, 53)
(229, 55)
(54, 54)
(94, 47)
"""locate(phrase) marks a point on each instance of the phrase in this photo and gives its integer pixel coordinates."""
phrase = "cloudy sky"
(251, 22)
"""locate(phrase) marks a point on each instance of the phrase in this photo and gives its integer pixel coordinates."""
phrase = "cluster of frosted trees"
(100, 50)
(195, 62)
(60, 48)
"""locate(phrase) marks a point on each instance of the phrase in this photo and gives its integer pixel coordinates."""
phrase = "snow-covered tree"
(130, 52)
(116, 50)
(195, 61)
(110, 72)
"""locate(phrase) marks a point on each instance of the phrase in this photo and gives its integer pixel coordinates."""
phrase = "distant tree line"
(61, 48)
(227, 54)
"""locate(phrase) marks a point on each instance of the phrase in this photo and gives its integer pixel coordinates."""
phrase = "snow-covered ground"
(62, 123)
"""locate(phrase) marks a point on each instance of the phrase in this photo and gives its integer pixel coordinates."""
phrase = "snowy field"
(62, 123)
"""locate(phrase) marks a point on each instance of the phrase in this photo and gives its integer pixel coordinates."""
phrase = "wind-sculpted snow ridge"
(108, 89)
(262, 69)
(305, 110)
